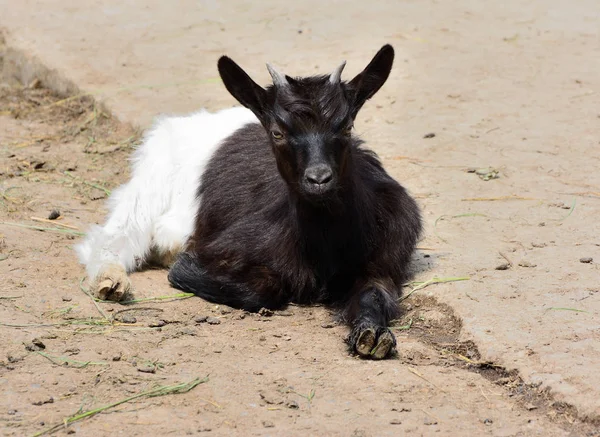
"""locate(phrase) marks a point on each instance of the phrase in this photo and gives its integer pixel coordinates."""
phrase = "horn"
(336, 76)
(278, 78)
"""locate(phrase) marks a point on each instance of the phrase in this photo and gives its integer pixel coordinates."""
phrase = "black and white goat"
(268, 205)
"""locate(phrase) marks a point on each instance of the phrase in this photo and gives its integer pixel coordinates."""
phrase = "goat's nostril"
(319, 176)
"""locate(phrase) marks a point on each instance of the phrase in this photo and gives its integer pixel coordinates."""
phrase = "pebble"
(67, 298)
(200, 319)
(265, 312)
(268, 424)
(327, 325)
(488, 421)
(429, 135)
(525, 263)
(157, 324)
(503, 266)
(49, 400)
(54, 214)
(429, 421)
(213, 321)
(586, 260)
(395, 422)
(293, 405)
(147, 369)
(35, 345)
(127, 318)
(188, 331)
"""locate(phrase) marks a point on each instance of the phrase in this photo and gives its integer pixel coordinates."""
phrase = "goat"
(289, 208)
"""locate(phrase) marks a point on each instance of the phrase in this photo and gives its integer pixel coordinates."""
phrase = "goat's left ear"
(242, 87)
(367, 83)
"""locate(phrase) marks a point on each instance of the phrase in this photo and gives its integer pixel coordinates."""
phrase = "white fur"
(156, 209)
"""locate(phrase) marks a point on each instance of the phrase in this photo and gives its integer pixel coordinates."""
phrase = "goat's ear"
(242, 87)
(367, 83)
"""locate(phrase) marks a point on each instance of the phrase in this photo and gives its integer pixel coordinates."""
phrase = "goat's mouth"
(318, 193)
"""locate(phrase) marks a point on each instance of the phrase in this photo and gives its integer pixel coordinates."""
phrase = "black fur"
(266, 235)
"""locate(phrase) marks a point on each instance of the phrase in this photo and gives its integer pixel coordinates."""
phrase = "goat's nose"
(319, 174)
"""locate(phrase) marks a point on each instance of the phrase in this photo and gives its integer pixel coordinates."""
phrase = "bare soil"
(286, 373)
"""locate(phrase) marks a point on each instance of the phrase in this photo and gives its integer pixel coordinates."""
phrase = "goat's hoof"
(112, 283)
(376, 343)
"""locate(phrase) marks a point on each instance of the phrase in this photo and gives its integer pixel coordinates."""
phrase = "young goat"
(290, 207)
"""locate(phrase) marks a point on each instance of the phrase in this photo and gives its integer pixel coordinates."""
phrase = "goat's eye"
(277, 135)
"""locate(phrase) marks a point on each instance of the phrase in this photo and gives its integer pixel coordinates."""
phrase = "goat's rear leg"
(369, 312)
(188, 274)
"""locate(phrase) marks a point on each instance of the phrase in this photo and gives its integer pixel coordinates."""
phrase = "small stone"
(35, 345)
(12, 412)
(271, 397)
(126, 318)
(292, 404)
(67, 298)
(54, 214)
(117, 357)
(429, 421)
(225, 311)
(327, 325)
(200, 319)
(49, 400)
(527, 264)
(268, 424)
(429, 135)
(204, 429)
(265, 312)
(488, 421)
(241, 316)
(147, 369)
(586, 260)
(157, 324)
(530, 407)
(395, 422)
(72, 351)
(213, 321)
(188, 331)
(71, 431)
(503, 266)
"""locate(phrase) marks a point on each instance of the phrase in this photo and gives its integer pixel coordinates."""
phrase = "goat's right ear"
(242, 87)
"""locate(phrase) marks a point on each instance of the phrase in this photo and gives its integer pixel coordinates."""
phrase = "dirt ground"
(286, 373)
(490, 118)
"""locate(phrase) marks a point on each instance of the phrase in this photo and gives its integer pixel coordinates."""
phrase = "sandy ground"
(509, 181)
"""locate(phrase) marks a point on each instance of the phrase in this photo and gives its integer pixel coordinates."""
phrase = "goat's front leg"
(369, 312)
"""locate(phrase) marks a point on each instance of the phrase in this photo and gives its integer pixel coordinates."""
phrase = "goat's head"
(309, 120)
